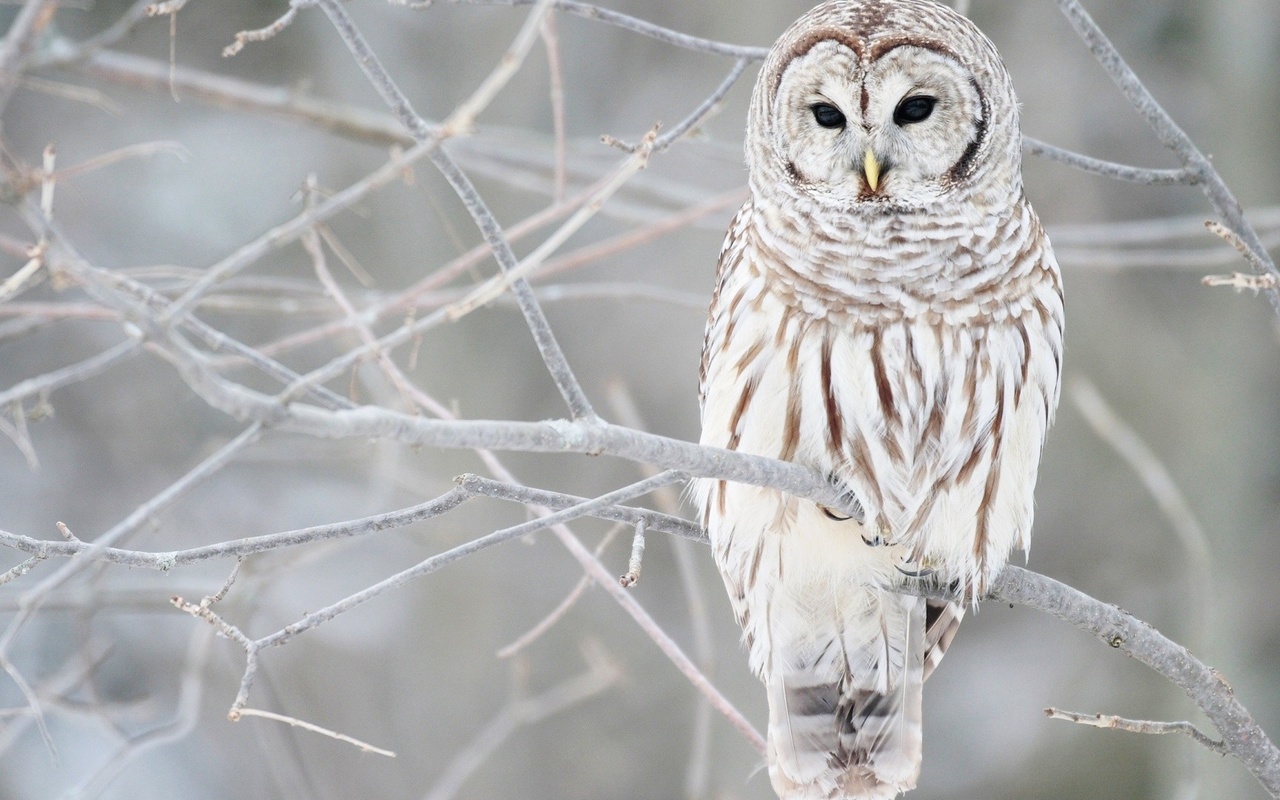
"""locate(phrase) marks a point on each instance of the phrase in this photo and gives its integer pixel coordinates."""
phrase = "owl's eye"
(914, 109)
(828, 116)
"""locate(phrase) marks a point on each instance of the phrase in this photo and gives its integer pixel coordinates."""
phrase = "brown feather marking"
(918, 519)
(755, 564)
(862, 462)
(937, 416)
(987, 505)
(749, 356)
(969, 391)
(882, 378)
(1026, 360)
(720, 496)
(914, 371)
(972, 461)
(791, 422)
(732, 313)
(784, 322)
(735, 435)
(835, 424)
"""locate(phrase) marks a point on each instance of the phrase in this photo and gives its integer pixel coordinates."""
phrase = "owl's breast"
(936, 427)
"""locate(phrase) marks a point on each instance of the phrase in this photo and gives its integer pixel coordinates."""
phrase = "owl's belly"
(937, 429)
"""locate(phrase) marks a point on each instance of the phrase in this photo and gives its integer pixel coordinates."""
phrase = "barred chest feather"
(927, 394)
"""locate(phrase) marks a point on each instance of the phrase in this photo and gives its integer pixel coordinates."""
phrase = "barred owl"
(888, 312)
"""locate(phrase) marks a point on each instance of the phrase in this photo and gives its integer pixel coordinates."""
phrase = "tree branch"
(1174, 138)
(1241, 735)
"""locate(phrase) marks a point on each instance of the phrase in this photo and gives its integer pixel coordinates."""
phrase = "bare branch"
(533, 634)
(632, 575)
(32, 598)
(1243, 283)
(521, 712)
(552, 355)
(1241, 735)
(1138, 726)
(228, 92)
(268, 32)
(1173, 137)
(627, 23)
(1109, 169)
(20, 570)
(709, 104)
(1267, 278)
(448, 557)
(238, 548)
(551, 40)
(308, 726)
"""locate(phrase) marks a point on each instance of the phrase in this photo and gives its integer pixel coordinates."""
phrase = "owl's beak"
(871, 169)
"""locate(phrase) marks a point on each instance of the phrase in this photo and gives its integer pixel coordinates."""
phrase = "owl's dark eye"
(914, 109)
(828, 116)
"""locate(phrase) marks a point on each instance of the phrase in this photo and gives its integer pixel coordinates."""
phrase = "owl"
(889, 313)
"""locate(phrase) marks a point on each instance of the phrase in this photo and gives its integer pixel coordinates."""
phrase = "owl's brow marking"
(884, 47)
(805, 44)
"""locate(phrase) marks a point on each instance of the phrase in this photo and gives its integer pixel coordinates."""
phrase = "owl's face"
(868, 105)
(900, 131)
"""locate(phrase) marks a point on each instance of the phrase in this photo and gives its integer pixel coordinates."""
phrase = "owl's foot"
(921, 572)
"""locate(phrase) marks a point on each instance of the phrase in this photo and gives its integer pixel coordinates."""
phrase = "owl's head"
(884, 105)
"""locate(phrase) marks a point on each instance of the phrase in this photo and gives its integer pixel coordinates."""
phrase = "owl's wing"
(718, 315)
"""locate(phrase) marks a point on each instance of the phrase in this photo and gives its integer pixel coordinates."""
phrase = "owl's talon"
(835, 515)
(923, 572)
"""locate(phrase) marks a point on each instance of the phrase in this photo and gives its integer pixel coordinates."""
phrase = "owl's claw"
(923, 572)
(835, 515)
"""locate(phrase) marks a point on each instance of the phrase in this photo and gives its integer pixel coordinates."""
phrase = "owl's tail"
(858, 737)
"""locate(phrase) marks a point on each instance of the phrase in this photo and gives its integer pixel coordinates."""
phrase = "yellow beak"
(871, 168)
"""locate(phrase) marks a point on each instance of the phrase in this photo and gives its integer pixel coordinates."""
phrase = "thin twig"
(1242, 282)
(556, 614)
(551, 41)
(448, 557)
(1138, 726)
(265, 33)
(31, 600)
(21, 569)
(1109, 169)
(521, 712)
(489, 290)
(308, 726)
(627, 23)
(464, 116)
(635, 563)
